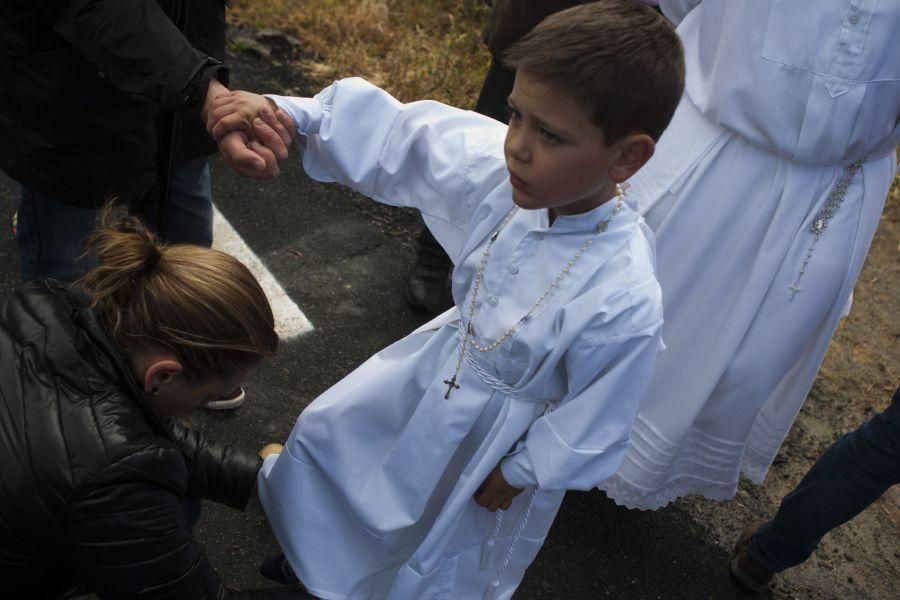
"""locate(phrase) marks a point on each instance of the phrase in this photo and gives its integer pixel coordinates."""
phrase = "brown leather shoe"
(748, 573)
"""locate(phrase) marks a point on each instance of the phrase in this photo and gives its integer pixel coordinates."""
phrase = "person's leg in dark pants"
(50, 236)
(427, 287)
(51, 233)
(498, 84)
(854, 472)
(189, 212)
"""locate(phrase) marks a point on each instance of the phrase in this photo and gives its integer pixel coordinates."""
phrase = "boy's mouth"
(516, 181)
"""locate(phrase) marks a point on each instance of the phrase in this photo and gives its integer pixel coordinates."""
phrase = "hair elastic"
(153, 261)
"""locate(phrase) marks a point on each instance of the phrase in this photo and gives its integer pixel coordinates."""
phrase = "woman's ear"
(161, 373)
(636, 150)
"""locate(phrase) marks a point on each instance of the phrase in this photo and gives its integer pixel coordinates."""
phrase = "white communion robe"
(780, 96)
(372, 495)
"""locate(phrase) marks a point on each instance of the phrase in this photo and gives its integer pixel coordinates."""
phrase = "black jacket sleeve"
(125, 534)
(219, 472)
(137, 46)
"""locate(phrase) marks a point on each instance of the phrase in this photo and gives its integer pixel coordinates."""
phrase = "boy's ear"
(636, 150)
(161, 373)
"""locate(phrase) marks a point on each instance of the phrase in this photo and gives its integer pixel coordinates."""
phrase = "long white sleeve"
(425, 155)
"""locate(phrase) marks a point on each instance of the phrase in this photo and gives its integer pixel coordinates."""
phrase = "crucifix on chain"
(451, 383)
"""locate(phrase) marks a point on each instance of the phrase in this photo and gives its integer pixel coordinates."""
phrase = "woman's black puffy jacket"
(93, 478)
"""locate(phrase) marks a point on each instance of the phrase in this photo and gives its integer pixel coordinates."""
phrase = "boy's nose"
(517, 146)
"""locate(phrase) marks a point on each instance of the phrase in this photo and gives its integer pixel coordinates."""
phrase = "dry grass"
(412, 48)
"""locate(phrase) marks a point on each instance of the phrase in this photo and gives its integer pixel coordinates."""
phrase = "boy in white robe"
(390, 483)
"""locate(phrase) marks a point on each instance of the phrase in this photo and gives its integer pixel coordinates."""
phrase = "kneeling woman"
(95, 476)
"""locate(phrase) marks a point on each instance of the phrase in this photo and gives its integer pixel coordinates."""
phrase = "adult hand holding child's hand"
(273, 448)
(253, 134)
(238, 109)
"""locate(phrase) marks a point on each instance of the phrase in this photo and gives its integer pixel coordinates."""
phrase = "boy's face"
(555, 154)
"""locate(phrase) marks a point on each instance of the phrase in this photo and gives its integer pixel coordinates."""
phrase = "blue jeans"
(51, 233)
(854, 472)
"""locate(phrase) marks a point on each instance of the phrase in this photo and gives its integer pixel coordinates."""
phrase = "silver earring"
(154, 392)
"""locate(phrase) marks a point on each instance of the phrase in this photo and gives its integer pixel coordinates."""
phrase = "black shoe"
(277, 569)
(428, 287)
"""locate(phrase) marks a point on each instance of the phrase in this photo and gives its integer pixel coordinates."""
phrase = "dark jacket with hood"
(94, 479)
(94, 92)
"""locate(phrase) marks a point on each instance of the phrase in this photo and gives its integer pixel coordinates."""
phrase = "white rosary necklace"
(479, 277)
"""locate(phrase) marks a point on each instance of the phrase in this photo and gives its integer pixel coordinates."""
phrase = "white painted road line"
(289, 319)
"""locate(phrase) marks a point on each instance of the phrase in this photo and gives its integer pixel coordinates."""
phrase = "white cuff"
(307, 113)
(517, 470)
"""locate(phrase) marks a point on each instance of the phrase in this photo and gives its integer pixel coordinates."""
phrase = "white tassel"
(488, 546)
(491, 592)
(486, 549)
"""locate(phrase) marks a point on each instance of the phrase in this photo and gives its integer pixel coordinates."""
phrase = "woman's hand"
(272, 448)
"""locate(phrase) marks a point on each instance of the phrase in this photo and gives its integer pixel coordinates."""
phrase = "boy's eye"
(512, 114)
(549, 137)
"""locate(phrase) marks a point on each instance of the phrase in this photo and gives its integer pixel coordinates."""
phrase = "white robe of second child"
(780, 97)
(373, 494)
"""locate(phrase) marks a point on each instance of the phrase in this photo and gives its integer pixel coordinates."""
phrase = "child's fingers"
(495, 503)
(270, 139)
(269, 118)
(218, 111)
(232, 122)
(288, 123)
(506, 504)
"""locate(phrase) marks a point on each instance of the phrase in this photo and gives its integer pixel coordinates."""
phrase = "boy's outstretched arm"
(438, 159)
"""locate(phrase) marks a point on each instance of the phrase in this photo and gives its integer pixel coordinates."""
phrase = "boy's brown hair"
(620, 59)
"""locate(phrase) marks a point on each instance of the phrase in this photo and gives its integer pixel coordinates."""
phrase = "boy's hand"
(237, 111)
(272, 448)
(214, 90)
(495, 493)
